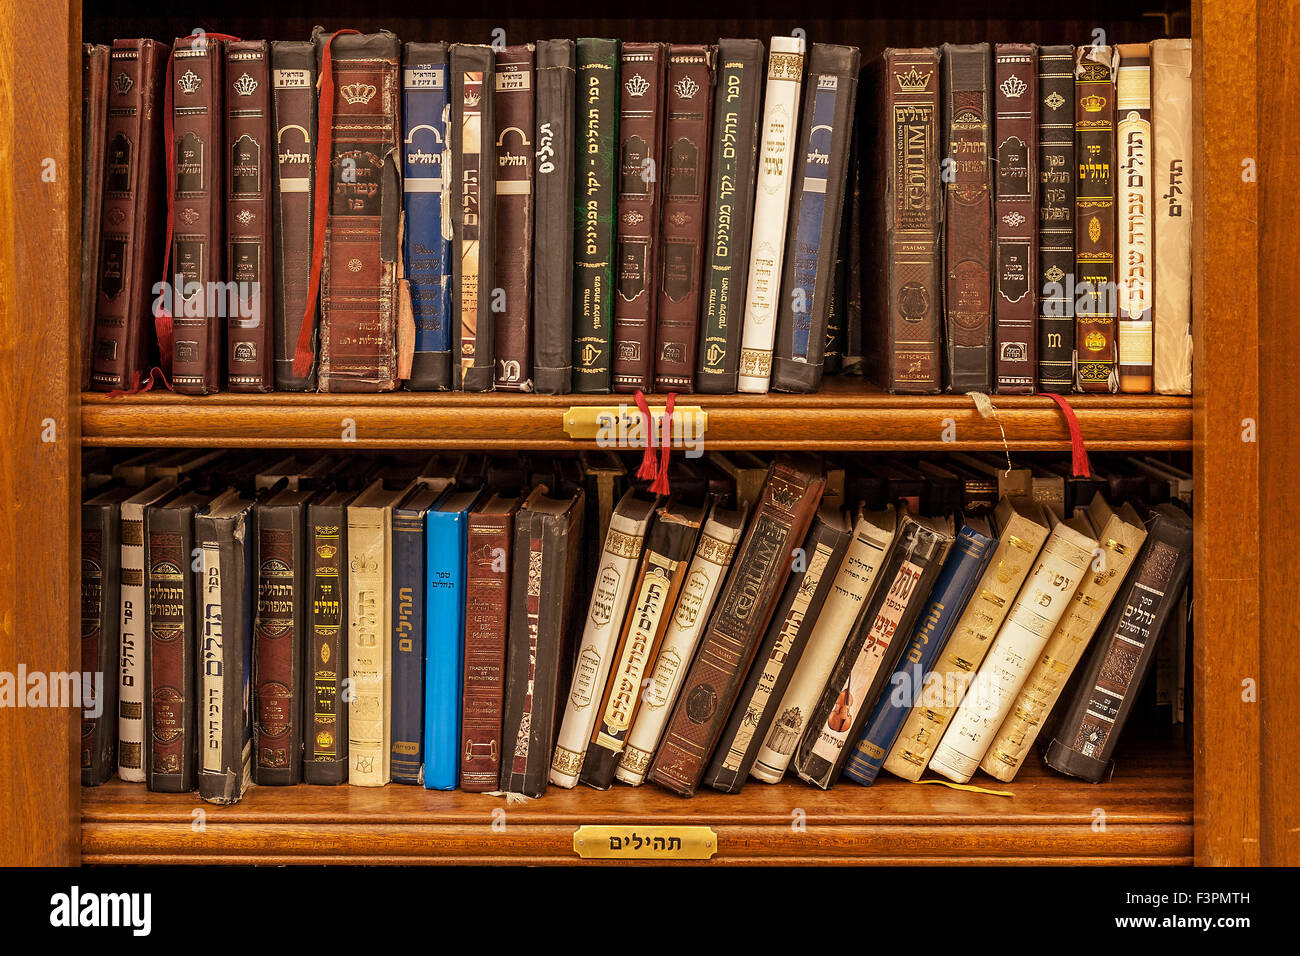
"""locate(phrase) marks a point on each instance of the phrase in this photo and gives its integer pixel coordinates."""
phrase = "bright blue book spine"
(970, 553)
(406, 754)
(445, 648)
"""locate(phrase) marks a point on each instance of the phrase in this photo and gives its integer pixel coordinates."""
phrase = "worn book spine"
(293, 114)
(426, 115)
(198, 246)
(134, 203)
(1056, 175)
(369, 649)
(513, 206)
(134, 631)
(407, 647)
(1039, 607)
(1103, 697)
(731, 209)
(1172, 184)
(169, 543)
(444, 647)
(833, 359)
(278, 643)
(640, 159)
(1135, 244)
(94, 123)
(816, 212)
(101, 610)
(854, 228)
(325, 710)
(1094, 220)
(790, 498)
(968, 217)
(553, 188)
(785, 62)
(1015, 131)
(473, 122)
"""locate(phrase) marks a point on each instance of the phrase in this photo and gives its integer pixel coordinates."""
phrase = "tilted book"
(1135, 244)
(1172, 168)
(513, 206)
(101, 619)
(94, 122)
(407, 654)
(1056, 175)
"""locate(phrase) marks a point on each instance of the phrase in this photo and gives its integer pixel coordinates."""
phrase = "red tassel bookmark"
(1078, 451)
(660, 485)
(656, 472)
(649, 469)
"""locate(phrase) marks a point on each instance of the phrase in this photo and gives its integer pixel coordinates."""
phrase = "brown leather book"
(1094, 220)
(130, 255)
(198, 241)
(686, 183)
(249, 216)
(636, 272)
(789, 501)
(94, 122)
(512, 334)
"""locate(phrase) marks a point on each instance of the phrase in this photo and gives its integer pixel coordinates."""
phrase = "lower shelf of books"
(1143, 815)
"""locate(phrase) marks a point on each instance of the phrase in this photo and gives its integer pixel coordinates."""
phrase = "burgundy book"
(512, 323)
(94, 107)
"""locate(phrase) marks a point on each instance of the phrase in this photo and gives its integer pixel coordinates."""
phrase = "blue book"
(444, 661)
(971, 551)
(427, 248)
(406, 755)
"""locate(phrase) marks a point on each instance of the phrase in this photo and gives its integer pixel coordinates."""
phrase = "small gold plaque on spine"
(644, 843)
(621, 425)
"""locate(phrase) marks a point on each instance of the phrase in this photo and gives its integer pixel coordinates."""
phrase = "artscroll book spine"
(426, 114)
(771, 211)
(731, 208)
(596, 177)
(473, 121)
(407, 650)
(369, 658)
(1056, 175)
(169, 544)
(94, 122)
(1084, 740)
(968, 216)
(444, 646)
(1038, 609)
(101, 582)
(293, 115)
(134, 631)
(781, 519)
(487, 612)
(778, 655)
(362, 262)
(685, 201)
(817, 208)
(250, 215)
(1015, 130)
(134, 197)
(1094, 219)
(1135, 244)
(1172, 183)
(553, 250)
(278, 643)
(640, 158)
(969, 556)
(325, 711)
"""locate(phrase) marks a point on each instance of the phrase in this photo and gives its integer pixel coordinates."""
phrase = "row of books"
(448, 622)
(582, 216)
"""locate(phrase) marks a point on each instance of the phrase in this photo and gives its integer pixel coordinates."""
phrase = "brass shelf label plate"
(644, 843)
(620, 426)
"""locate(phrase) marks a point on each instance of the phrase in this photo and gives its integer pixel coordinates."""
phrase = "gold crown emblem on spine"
(1013, 86)
(472, 98)
(685, 88)
(358, 94)
(123, 84)
(913, 81)
(1093, 103)
(638, 85)
(245, 85)
(189, 82)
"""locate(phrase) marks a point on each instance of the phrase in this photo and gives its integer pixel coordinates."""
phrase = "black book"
(101, 616)
(1056, 167)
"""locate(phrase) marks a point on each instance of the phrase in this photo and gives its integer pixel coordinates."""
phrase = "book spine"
(213, 703)
(553, 227)
(369, 660)
(1172, 171)
(325, 712)
(249, 217)
(101, 565)
(731, 210)
(426, 115)
(966, 561)
(134, 630)
(168, 545)
(1135, 243)
(445, 655)
(407, 651)
(1094, 219)
(833, 360)
(771, 211)
(513, 208)
(1015, 127)
(1056, 173)
(1038, 609)
(487, 610)
(94, 122)
(278, 645)
(293, 112)
(521, 656)
(640, 152)
(968, 217)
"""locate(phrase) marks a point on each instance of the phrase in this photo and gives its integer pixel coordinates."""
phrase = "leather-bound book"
(94, 123)
(968, 216)
(903, 210)
(1015, 133)
(293, 114)
(816, 567)
(250, 213)
(1171, 117)
(854, 331)
(736, 110)
(198, 255)
(134, 204)
(552, 239)
(408, 636)
(813, 240)
(513, 201)
(1094, 219)
(640, 171)
(101, 618)
(685, 202)
(833, 359)
(781, 519)
(362, 260)
(426, 239)
(1093, 713)
(1056, 175)
(1135, 244)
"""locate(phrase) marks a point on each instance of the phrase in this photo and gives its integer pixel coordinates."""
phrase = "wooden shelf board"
(1050, 819)
(847, 414)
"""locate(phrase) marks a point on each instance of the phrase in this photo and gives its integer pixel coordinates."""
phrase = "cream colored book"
(1134, 263)
(1172, 212)
(873, 533)
(1022, 528)
(1039, 607)
(1121, 536)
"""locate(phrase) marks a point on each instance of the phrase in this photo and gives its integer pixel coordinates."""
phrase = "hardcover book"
(513, 207)
(1135, 246)
(101, 619)
(407, 653)
(1094, 219)
(1056, 175)
(94, 123)
(325, 711)
(1172, 169)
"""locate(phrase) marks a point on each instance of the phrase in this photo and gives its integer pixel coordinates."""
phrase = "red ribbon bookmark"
(1078, 451)
(656, 472)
